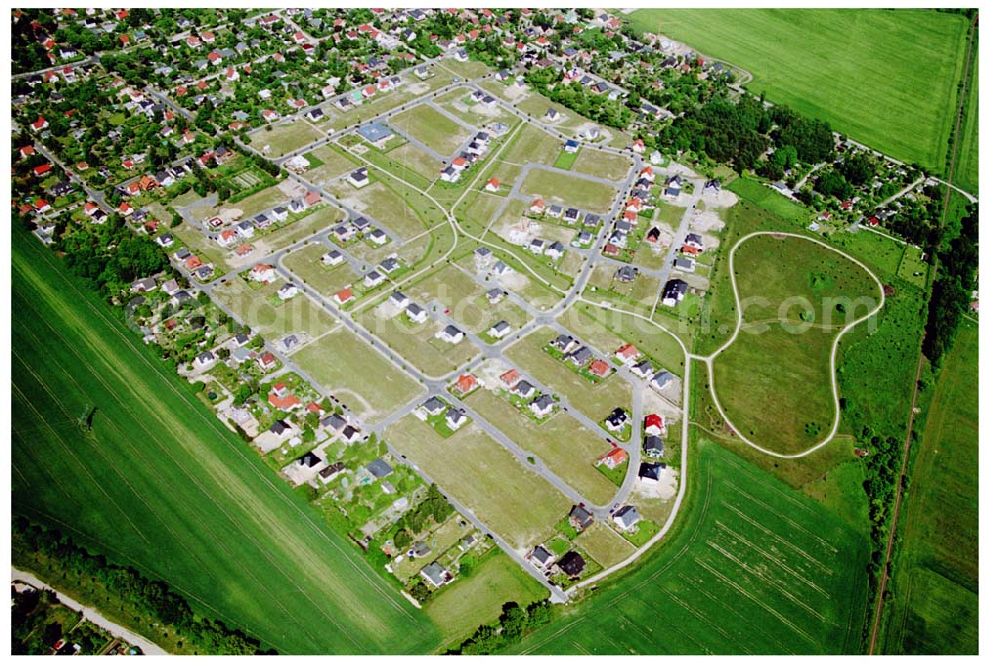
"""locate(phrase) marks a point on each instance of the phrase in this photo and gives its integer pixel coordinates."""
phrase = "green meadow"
(858, 69)
(162, 485)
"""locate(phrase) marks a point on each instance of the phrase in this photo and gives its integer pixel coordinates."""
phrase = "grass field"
(562, 443)
(533, 145)
(568, 190)
(759, 194)
(967, 170)
(417, 342)
(478, 599)
(934, 607)
(284, 137)
(595, 400)
(467, 301)
(416, 159)
(780, 360)
(751, 567)
(253, 307)
(604, 544)
(159, 479)
(307, 264)
(602, 164)
(480, 474)
(856, 69)
(361, 377)
(336, 163)
(432, 128)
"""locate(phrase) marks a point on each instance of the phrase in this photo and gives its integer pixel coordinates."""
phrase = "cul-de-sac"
(557, 331)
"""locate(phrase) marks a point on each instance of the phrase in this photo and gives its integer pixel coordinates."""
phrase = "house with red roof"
(653, 424)
(493, 185)
(599, 368)
(466, 383)
(627, 353)
(344, 296)
(510, 378)
(42, 169)
(613, 458)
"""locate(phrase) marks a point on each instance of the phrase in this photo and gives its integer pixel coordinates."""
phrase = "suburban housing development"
(441, 330)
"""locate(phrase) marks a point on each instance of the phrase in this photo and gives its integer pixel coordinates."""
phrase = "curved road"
(833, 349)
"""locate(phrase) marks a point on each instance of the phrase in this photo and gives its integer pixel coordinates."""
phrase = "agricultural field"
(279, 574)
(890, 53)
(967, 169)
(789, 574)
(283, 138)
(358, 375)
(934, 605)
(258, 308)
(562, 443)
(568, 190)
(480, 474)
(432, 128)
(781, 358)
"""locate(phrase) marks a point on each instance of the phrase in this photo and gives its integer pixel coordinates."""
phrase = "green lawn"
(751, 567)
(433, 128)
(482, 475)
(417, 342)
(934, 605)
(759, 194)
(568, 190)
(779, 364)
(857, 69)
(357, 374)
(159, 481)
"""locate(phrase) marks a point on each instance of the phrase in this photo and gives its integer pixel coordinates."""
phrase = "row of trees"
(509, 629)
(155, 601)
(957, 274)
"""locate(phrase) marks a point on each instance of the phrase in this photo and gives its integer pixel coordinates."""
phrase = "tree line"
(153, 600)
(513, 625)
(952, 291)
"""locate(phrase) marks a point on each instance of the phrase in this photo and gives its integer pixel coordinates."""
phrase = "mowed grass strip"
(595, 400)
(564, 444)
(432, 128)
(569, 190)
(357, 374)
(751, 567)
(855, 68)
(480, 474)
(934, 607)
(162, 485)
